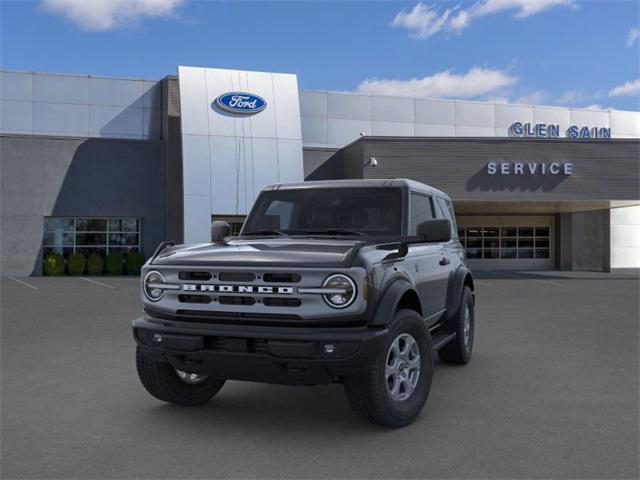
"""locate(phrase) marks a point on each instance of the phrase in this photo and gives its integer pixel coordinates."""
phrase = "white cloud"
(100, 15)
(629, 88)
(423, 21)
(475, 83)
(595, 106)
(538, 97)
(633, 36)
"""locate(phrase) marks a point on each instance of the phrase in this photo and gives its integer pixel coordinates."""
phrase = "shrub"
(113, 263)
(134, 262)
(76, 263)
(53, 264)
(95, 264)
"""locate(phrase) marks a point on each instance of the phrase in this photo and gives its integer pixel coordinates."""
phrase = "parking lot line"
(24, 283)
(97, 282)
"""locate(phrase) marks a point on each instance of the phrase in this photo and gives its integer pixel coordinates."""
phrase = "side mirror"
(436, 231)
(219, 230)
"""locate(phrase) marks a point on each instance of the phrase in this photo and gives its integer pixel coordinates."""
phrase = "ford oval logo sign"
(240, 103)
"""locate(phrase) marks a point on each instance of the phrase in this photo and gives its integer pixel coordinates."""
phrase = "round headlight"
(345, 291)
(150, 287)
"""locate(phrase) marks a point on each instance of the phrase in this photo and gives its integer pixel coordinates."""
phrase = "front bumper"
(290, 356)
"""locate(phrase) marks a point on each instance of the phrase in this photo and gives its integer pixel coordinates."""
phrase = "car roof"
(360, 183)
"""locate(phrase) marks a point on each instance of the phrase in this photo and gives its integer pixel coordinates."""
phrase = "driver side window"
(420, 210)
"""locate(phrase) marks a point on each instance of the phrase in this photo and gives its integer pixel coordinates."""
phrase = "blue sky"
(559, 52)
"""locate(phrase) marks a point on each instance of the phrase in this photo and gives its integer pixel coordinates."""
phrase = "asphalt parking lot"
(551, 392)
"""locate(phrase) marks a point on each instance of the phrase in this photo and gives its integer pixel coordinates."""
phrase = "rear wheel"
(175, 386)
(393, 389)
(458, 350)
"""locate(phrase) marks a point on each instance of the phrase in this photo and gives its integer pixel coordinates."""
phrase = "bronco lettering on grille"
(262, 289)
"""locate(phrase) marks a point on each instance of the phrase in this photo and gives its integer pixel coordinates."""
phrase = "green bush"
(95, 264)
(134, 262)
(53, 264)
(113, 263)
(76, 263)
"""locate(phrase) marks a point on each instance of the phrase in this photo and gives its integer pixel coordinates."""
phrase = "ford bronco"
(352, 281)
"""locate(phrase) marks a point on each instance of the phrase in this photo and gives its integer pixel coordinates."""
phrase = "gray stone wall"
(54, 176)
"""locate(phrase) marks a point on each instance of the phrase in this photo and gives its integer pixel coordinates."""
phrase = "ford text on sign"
(240, 103)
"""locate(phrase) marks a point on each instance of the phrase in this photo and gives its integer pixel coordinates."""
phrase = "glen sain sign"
(240, 103)
(547, 130)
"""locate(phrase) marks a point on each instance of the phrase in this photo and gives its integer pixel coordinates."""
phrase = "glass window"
(371, 211)
(525, 253)
(421, 210)
(491, 253)
(447, 212)
(91, 225)
(58, 224)
(123, 225)
(490, 242)
(66, 235)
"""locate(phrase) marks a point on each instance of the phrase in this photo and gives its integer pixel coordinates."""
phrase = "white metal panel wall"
(79, 106)
(227, 158)
(335, 119)
(625, 237)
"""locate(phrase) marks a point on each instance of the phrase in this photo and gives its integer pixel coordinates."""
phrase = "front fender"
(390, 299)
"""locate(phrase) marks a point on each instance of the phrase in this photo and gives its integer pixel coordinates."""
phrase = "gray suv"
(357, 282)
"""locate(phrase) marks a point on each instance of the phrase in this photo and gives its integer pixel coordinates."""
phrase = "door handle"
(444, 261)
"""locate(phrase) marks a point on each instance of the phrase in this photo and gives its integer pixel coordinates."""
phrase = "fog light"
(329, 348)
(157, 338)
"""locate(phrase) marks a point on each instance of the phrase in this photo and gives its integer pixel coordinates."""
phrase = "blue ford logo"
(241, 103)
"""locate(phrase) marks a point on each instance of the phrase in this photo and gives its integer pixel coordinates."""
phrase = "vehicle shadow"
(626, 274)
(281, 409)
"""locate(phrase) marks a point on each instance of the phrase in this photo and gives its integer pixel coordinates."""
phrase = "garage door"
(512, 243)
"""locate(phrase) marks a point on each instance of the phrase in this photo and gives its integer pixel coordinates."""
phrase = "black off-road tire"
(367, 392)
(457, 351)
(161, 381)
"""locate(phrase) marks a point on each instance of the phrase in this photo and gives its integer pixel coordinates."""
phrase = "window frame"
(411, 230)
(107, 246)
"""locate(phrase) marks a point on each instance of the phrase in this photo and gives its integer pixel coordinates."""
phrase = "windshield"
(337, 211)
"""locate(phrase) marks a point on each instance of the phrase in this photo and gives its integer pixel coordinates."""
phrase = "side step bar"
(440, 338)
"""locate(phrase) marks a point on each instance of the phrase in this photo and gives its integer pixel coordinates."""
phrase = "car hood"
(263, 252)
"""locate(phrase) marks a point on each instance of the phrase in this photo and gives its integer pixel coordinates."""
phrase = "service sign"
(240, 103)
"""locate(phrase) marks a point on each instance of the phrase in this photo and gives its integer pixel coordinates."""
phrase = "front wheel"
(392, 390)
(175, 386)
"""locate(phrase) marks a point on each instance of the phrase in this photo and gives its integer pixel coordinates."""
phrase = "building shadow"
(484, 182)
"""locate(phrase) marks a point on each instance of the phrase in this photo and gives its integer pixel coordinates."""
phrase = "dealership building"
(106, 164)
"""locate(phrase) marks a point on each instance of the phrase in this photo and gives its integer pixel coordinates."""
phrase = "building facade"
(103, 164)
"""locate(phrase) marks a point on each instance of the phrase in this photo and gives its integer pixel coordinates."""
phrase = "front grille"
(282, 302)
(282, 277)
(229, 300)
(236, 277)
(196, 276)
(194, 298)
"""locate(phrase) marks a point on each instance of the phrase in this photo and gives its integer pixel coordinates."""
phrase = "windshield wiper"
(335, 231)
(266, 231)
